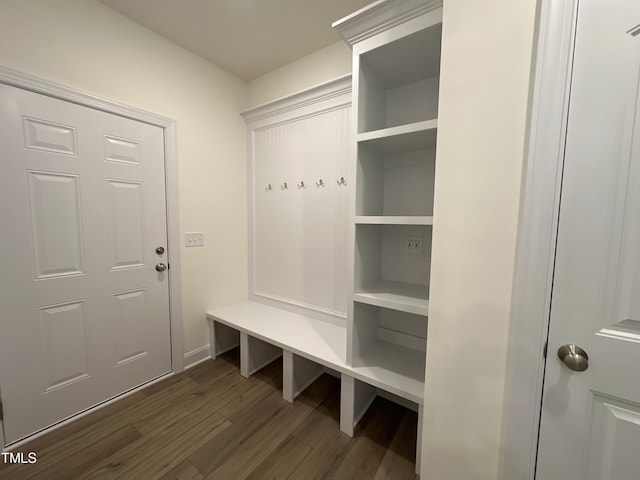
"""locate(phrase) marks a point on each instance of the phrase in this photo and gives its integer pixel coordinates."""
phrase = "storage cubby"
(386, 273)
(398, 81)
(389, 346)
(394, 182)
(222, 339)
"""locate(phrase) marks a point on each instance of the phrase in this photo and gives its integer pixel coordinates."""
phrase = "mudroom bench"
(309, 347)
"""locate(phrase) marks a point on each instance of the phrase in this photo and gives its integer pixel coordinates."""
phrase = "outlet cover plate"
(194, 239)
(413, 245)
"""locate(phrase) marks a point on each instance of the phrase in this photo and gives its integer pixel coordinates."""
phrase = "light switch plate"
(194, 239)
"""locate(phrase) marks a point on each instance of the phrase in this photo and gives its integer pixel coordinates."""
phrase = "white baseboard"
(194, 357)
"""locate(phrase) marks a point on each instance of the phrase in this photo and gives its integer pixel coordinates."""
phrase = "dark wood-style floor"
(211, 423)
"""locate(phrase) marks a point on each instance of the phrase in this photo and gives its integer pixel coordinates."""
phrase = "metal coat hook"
(342, 181)
(320, 183)
(284, 186)
(301, 185)
(267, 188)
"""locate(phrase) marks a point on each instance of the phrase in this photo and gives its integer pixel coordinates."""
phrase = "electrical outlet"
(413, 245)
(194, 239)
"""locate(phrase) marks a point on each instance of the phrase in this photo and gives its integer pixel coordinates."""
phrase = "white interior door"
(85, 314)
(590, 426)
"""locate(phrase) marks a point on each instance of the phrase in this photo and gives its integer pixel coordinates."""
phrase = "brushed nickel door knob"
(161, 267)
(574, 357)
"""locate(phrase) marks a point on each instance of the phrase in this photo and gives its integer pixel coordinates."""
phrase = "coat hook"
(284, 186)
(342, 181)
(320, 183)
(267, 188)
(301, 185)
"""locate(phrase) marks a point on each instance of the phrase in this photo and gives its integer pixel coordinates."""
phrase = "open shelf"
(389, 349)
(404, 138)
(404, 297)
(381, 255)
(395, 369)
(399, 81)
(393, 220)
(394, 184)
(407, 59)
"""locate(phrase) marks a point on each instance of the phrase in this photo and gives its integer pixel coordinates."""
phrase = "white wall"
(485, 77)
(84, 45)
(326, 64)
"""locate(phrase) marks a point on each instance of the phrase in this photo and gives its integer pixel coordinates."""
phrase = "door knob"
(161, 267)
(574, 357)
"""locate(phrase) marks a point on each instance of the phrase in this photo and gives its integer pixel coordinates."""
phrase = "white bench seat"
(322, 342)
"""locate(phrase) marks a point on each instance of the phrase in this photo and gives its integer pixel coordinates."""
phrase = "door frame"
(38, 85)
(537, 231)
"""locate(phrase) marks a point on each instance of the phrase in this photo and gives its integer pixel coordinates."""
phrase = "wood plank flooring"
(211, 423)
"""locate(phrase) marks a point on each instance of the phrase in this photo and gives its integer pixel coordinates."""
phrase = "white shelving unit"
(396, 57)
(396, 68)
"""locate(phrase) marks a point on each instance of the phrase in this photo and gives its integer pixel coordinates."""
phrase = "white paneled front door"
(85, 314)
(590, 426)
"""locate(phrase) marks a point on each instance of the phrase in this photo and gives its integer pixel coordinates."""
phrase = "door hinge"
(544, 350)
(1, 412)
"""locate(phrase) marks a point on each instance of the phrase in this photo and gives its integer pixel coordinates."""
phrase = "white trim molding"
(51, 89)
(380, 16)
(293, 106)
(199, 355)
(542, 179)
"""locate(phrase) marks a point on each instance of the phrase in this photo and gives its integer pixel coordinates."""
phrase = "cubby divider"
(298, 373)
(255, 354)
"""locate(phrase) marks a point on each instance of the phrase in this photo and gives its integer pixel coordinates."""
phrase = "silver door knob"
(161, 267)
(574, 357)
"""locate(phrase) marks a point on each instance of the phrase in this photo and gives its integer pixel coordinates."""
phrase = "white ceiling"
(245, 37)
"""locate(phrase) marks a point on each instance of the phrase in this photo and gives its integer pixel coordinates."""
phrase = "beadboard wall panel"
(299, 151)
